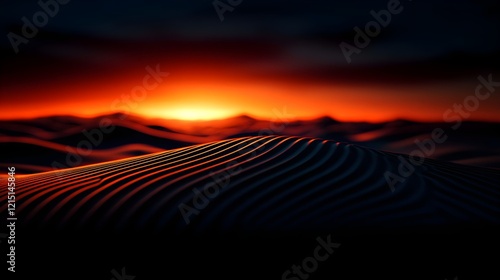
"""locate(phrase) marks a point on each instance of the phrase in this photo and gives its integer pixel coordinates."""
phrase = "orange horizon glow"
(183, 98)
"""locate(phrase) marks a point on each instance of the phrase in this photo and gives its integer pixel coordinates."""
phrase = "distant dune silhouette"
(40, 142)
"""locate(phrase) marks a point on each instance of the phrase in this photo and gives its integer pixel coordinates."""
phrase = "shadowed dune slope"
(272, 183)
(69, 141)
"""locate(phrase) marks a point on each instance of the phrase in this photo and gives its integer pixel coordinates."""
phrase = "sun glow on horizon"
(210, 98)
(192, 114)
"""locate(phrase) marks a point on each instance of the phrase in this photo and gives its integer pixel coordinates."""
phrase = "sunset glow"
(191, 114)
(205, 94)
(211, 100)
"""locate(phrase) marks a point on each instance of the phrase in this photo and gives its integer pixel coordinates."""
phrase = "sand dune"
(259, 184)
(53, 138)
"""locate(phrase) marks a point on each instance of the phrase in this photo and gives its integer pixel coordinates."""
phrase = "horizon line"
(242, 115)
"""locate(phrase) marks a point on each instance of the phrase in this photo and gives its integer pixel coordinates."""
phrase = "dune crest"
(271, 183)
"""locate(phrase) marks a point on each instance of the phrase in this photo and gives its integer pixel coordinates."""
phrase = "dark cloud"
(427, 41)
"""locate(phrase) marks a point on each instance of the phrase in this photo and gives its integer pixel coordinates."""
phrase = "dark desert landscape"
(250, 140)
